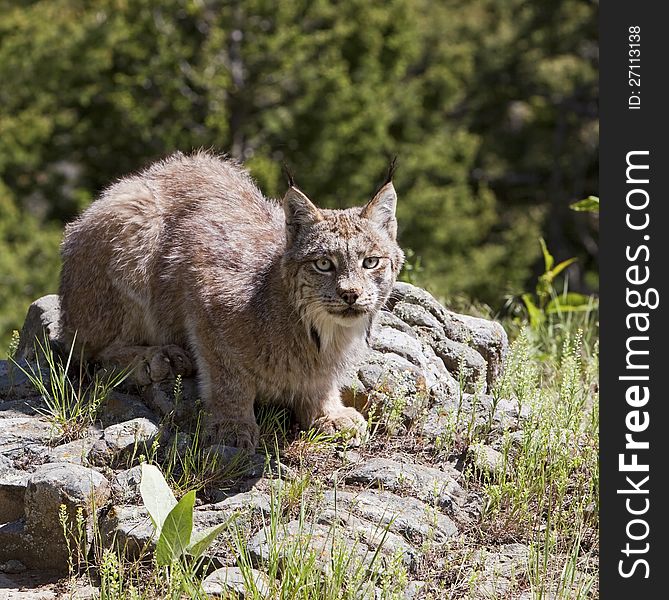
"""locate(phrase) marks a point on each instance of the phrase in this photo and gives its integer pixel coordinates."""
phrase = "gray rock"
(12, 566)
(38, 540)
(479, 412)
(119, 407)
(19, 433)
(222, 582)
(14, 381)
(391, 384)
(410, 518)
(353, 541)
(415, 315)
(125, 485)
(123, 441)
(421, 352)
(375, 535)
(465, 363)
(254, 501)
(41, 323)
(488, 460)
(389, 340)
(500, 569)
(129, 529)
(429, 484)
(413, 590)
(385, 318)
(75, 452)
(488, 338)
(13, 484)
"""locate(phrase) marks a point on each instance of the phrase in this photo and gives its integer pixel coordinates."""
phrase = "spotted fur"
(189, 254)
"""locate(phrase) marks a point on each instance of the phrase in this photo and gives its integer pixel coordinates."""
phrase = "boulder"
(38, 539)
(42, 325)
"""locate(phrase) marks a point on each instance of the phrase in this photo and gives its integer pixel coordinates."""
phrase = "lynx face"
(343, 263)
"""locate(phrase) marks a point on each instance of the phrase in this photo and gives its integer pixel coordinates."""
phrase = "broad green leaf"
(156, 494)
(201, 540)
(175, 536)
(548, 257)
(590, 204)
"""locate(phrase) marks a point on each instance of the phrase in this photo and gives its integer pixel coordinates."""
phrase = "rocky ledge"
(430, 375)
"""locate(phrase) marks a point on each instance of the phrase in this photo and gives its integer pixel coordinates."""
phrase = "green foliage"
(547, 301)
(490, 106)
(547, 491)
(71, 403)
(173, 521)
(29, 261)
(589, 204)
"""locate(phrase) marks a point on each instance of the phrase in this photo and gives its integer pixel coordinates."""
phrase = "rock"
(222, 582)
(355, 542)
(75, 452)
(478, 412)
(466, 364)
(488, 338)
(41, 323)
(125, 485)
(13, 484)
(421, 352)
(410, 518)
(500, 570)
(119, 407)
(123, 441)
(19, 434)
(14, 382)
(413, 590)
(40, 538)
(254, 502)
(488, 460)
(129, 529)
(391, 386)
(401, 343)
(12, 566)
(428, 484)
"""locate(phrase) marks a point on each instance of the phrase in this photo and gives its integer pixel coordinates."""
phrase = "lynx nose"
(349, 297)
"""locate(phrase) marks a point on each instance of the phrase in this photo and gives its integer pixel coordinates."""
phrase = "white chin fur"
(336, 330)
(347, 322)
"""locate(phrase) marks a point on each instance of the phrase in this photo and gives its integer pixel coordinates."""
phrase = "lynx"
(272, 300)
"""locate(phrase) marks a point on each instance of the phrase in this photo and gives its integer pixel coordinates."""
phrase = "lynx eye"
(324, 265)
(370, 262)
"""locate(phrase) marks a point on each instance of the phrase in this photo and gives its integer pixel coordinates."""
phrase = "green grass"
(545, 495)
(71, 402)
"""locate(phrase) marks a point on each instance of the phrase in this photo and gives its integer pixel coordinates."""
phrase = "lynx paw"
(180, 362)
(158, 363)
(346, 421)
(241, 434)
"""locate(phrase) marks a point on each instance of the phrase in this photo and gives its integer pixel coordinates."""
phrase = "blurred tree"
(95, 90)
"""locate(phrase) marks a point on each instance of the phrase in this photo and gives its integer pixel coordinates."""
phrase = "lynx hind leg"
(148, 364)
(331, 417)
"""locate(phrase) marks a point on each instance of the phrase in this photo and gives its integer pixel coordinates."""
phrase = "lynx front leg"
(229, 406)
(330, 416)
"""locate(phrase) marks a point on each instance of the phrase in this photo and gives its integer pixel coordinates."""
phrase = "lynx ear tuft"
(381, 209)
(299, 210)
